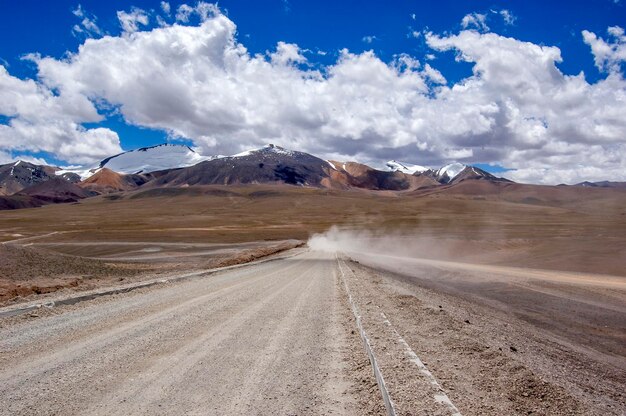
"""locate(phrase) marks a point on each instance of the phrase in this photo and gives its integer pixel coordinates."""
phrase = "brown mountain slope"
(569, 197)
(474, 173)
(107, 181)
(603, 184)
(358, 175)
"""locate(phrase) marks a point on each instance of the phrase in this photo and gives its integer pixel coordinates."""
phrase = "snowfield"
(407, 168)
(143, 160)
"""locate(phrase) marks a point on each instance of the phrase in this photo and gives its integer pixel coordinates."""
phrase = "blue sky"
(46, 27)
(321, 30)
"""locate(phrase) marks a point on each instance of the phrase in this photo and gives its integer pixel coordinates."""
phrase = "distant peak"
(268, 148)
(451, 170)
(152, 158)
(403, 167)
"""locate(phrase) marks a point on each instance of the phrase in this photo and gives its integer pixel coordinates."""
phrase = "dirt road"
(280, 337)
(272, 338)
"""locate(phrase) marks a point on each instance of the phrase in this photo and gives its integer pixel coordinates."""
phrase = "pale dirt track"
(272, 338)
(279, 338)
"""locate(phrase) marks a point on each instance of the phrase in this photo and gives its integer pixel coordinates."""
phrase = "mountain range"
(24, 184)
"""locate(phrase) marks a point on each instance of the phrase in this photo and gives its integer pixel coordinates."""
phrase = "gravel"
(272, 338)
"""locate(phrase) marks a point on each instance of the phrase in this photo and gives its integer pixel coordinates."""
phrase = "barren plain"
(514, 302)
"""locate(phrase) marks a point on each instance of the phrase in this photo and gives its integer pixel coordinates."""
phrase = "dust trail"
(404, 252)
(407, 244)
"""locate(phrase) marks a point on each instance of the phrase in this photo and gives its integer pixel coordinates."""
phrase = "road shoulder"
(482, 359)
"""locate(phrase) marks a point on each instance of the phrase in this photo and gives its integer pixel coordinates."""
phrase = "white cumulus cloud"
(475, 21)
(508, 17)
(130, 21)
(198, 81)
(608, 55)
(202, 9)
(87, 26)
(7, 157)
(40, 121)
(286, 54)
(541, 118)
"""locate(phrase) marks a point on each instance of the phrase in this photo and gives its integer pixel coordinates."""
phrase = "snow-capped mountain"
(447, 173)
(268, 149)
(443, 175)
(407, 168)
(263, 165)
(269, 163)
(274, 164)
(143, 160)
(25, 185)
(151, 159)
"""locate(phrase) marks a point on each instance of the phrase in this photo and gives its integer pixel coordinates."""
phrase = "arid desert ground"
(473, 303)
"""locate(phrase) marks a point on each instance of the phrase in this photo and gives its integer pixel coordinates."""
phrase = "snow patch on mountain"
(143, 160)
(151, 159)
(269, 148)
(82, 171)
(407, 168)
(450, 171)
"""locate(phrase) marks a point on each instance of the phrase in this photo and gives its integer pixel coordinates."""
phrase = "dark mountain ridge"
(32, 186)
(20, 175)
(57, 190)
(266, 165)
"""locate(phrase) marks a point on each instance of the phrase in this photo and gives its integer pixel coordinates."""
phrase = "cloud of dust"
(405, 244)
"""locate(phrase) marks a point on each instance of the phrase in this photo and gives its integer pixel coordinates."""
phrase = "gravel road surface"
(272, 338)
(280, 338)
